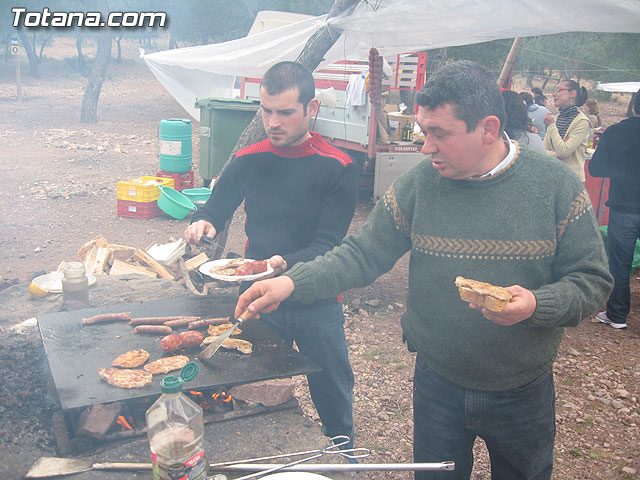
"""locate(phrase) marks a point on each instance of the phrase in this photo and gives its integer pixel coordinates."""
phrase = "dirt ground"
(60, 191)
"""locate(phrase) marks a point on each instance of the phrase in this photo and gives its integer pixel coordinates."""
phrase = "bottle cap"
(171, 384)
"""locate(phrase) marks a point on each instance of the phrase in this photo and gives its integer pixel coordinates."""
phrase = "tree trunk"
(34, 66)
(82, 66)
(44, 44)
(118, 40)
(311, 56)
(89, 112)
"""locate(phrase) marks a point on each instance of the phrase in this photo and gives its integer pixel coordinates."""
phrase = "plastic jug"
(175, 427)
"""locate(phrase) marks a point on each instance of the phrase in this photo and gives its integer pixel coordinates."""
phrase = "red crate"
(127, 208)
(180, 180)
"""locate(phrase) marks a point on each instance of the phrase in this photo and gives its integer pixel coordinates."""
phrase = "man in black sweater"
(618, 157)
(300, 195)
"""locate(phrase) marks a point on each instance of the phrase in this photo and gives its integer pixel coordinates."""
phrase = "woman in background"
(592, 108)
(568, 136)
(518, 126)
(592, 111)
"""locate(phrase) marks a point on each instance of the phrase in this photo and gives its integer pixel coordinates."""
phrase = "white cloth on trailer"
(356, 94)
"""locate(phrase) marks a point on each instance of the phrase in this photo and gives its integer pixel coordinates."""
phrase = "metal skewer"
(332, 448)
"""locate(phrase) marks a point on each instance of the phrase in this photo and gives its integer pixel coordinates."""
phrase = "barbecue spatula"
(47, 467)
(209, 350)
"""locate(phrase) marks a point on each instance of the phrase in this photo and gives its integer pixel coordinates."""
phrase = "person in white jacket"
(568, 136)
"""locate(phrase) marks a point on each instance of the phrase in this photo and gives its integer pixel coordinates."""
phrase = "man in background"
(618, 157)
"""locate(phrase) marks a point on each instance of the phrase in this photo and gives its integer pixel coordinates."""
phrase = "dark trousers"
(319, 335)
(623, 232)
(518, 427)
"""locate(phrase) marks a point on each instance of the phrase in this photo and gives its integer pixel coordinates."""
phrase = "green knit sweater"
(531, 225)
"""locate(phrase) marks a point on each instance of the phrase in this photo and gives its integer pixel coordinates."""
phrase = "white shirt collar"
(510, 156)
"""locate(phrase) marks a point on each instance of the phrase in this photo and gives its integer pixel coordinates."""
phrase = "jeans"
(623, 231)
(319, 335)
(518, 426)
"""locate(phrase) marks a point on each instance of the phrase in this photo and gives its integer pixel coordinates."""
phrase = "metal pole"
(18, 85)
(341, 467)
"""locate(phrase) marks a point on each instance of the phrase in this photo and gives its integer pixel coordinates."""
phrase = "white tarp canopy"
(396, 26)
(619, 87)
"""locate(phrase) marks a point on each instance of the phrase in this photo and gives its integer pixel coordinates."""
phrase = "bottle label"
(196, 467)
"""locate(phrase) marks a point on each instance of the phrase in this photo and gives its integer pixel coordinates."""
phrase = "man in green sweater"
(482, 207)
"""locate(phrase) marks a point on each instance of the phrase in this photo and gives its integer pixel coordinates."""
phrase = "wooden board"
(123, 268)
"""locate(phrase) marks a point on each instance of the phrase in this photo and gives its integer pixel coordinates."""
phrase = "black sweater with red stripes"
(299, 200)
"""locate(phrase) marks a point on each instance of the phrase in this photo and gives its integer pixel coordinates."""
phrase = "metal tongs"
(332, 448)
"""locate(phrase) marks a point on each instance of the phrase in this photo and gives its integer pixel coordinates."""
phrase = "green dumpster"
(222, 120)
(635, 263)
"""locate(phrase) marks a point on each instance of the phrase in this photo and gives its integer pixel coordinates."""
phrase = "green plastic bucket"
(175, 145)
(197, 195)
(174, 203)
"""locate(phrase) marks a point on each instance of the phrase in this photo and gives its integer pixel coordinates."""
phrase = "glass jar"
(75, 284)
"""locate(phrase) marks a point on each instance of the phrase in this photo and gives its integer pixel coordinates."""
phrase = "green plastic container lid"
(227, 103)
(173, 384)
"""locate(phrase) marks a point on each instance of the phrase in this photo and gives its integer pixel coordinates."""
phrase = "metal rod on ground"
(339, 467)
(47, 467)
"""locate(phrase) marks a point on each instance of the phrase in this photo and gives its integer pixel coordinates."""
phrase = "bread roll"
(483, 294)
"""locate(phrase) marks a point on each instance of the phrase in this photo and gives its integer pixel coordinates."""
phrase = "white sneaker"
(602, 316)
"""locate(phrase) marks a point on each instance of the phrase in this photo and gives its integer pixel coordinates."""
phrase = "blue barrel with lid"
(175, 145)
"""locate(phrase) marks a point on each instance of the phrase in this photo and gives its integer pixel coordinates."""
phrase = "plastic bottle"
(406, 132)
(75, 284)
(175, 427)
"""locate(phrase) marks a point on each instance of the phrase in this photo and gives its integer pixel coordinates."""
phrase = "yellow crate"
(143, 189)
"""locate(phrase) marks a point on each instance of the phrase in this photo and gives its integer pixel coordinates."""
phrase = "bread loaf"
(483, 294)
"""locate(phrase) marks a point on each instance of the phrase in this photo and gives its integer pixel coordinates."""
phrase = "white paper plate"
(295, 476)
(206, 268)
(52, 282)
